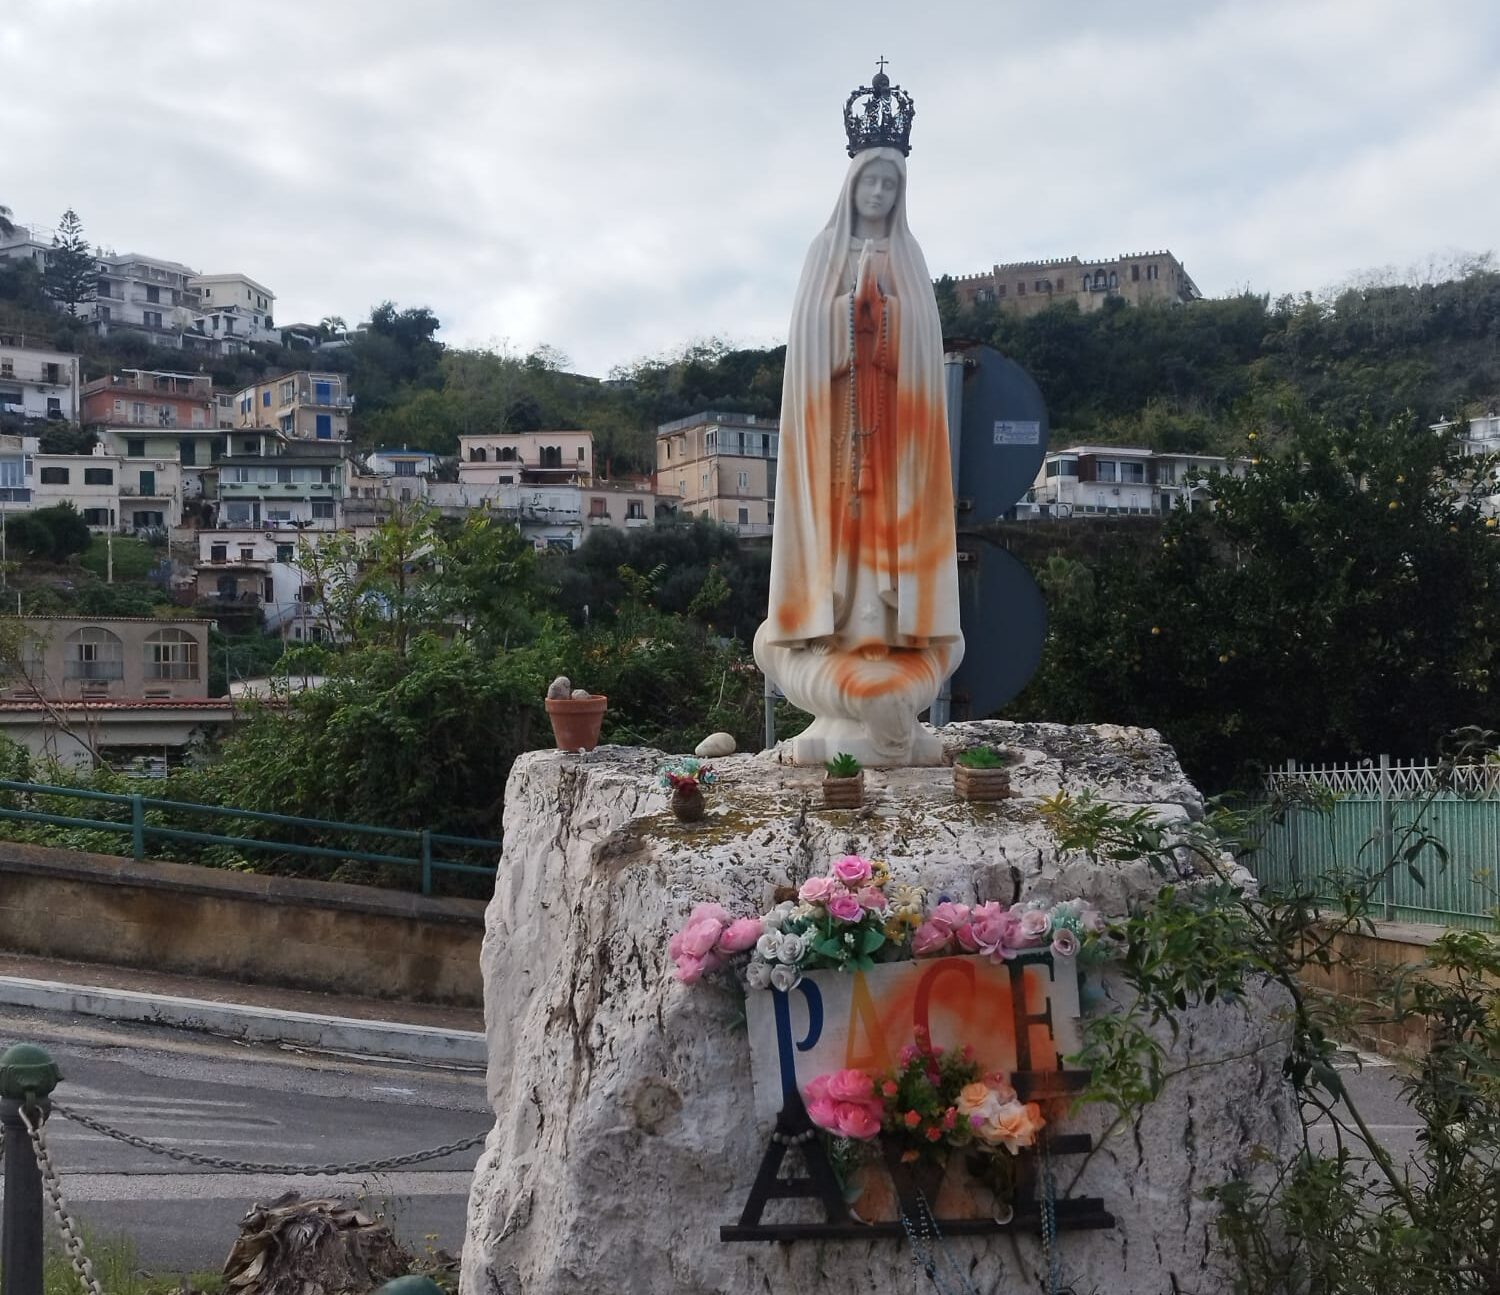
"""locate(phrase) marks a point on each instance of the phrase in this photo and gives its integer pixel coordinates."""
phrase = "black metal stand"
(793, 1128)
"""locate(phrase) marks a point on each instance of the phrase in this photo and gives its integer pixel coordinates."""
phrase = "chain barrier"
(924, 1238)
(72, 1241)
(254, 1167)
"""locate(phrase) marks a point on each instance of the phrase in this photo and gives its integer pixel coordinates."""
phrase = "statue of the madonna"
(863, 621)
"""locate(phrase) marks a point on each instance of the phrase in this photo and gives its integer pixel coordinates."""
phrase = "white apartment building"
(234, 307)
(1111, 480)
(31, 243)
(552, 517)
(90, 482)
(143, 294)
(242, 569)
(38, 382)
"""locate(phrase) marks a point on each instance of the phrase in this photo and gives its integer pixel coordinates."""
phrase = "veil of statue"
(863, 627)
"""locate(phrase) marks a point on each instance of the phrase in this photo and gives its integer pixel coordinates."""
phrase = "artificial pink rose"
(859, 1120)
(929, 940)
(741, 934)
(949, 915)
(817, 890)
(691, 969)
(852, 870)
(995, 931)
(1064, 943)
(824, 1113)
(871, 897)
(699, 936)
(967, 940)
(850, 1086)
(1035, 924)
(845, 908)
(817, 1091)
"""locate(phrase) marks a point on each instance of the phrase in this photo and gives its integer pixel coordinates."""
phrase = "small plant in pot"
(576, 715)
(983, 773)
(686, 779)
(843, 782)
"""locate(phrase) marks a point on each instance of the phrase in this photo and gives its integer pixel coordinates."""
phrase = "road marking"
(88, 1135)
(97, 1096)
(393, 1090)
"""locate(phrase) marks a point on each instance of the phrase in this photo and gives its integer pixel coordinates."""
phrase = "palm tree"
(7, 225)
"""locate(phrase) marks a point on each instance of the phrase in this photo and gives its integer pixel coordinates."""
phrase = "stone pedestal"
(624, 1128)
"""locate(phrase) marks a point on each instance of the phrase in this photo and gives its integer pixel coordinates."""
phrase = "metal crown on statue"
(884, 120)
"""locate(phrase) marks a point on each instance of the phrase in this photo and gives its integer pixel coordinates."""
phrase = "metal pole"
(1387, 839)
(137, 827)
(27, 1076)
(954, 364)
(426, 861)
(770, 702)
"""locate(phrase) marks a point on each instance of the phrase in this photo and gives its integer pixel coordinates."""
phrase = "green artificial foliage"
(843, 765)
(986, 757)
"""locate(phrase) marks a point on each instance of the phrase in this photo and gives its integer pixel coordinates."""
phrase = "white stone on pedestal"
(624, 1129)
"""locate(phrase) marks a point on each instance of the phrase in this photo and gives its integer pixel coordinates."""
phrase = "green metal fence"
(428, 855)
(1368, 824)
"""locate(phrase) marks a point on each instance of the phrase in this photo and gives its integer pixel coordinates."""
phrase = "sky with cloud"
(616, 179)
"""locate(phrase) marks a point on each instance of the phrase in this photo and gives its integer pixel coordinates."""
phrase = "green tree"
(52, 534)
(1339, 601)
(7, 224)
(70, 269)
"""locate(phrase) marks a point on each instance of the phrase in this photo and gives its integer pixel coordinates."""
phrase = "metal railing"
(1377, 809)
(425, 857)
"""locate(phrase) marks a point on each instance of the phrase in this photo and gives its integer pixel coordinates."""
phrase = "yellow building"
(720, 466)
(301, 406)
(1026, 287)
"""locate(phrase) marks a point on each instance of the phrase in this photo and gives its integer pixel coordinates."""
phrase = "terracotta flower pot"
(844, 793)
(980, 784)
(687, 804)
(576, 721)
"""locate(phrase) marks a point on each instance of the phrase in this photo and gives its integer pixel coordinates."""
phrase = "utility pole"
(109, 550)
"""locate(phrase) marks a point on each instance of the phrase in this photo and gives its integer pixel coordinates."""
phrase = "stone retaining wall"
(240, 926)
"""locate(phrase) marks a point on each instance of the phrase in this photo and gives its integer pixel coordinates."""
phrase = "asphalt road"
(244, 1102)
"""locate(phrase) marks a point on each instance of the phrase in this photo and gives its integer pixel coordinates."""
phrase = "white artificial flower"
(758, 974)
(767, 945)
(793, 947)
(785, 978)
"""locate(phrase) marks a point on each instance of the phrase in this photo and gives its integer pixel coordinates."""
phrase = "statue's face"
(876, 189)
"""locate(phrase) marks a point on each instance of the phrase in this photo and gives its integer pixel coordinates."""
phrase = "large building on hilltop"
(1026, 287)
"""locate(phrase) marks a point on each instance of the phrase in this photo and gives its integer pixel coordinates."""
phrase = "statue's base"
(823, 739)
(864, 706)
(626, 1136)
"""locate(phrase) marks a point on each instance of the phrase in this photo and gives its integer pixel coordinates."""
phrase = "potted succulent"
(843, 782)
(686, 779)
(576, 715)
(983, 773)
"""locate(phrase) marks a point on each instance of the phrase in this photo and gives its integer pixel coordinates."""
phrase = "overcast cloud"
(617, 177)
